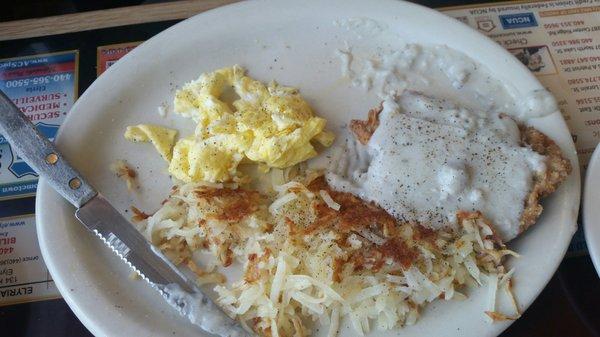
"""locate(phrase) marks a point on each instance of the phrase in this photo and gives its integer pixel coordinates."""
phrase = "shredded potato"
(123, 171)
(312, 255)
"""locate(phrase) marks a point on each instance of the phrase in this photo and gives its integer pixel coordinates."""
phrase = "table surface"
(568, 306)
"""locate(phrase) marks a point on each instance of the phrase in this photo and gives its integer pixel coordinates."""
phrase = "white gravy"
(441, 72)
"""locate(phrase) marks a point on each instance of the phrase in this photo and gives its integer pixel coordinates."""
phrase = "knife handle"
(42, 155)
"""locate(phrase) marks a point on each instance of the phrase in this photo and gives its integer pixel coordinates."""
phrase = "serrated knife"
(102, 219)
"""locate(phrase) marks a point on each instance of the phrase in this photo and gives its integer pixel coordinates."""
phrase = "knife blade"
(105, 221)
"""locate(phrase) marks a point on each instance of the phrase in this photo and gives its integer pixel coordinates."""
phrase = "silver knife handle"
(42, 155)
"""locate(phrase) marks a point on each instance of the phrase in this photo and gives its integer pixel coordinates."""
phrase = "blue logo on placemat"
(18, 167)
(48, 130)
(520, 20)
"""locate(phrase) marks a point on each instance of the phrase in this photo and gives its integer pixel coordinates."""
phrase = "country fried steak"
(557, 170)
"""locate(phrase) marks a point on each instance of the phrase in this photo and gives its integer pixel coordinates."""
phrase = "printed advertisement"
(44, 87)
(108, 55)
(559, 41)
(23, 274)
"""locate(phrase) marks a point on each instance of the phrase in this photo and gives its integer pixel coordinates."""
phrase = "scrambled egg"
(270, 125)
(162, 138)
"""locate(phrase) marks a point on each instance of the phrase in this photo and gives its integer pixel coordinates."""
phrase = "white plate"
(591, 209)
(293, 42)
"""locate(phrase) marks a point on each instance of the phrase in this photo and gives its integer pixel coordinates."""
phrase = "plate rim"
(43, 188)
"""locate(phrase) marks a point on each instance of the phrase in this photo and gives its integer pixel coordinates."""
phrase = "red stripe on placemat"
(49, 69)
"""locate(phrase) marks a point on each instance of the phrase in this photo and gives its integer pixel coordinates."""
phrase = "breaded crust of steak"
(558, 167)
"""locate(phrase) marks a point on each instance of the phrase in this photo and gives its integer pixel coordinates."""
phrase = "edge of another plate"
(591, 208)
